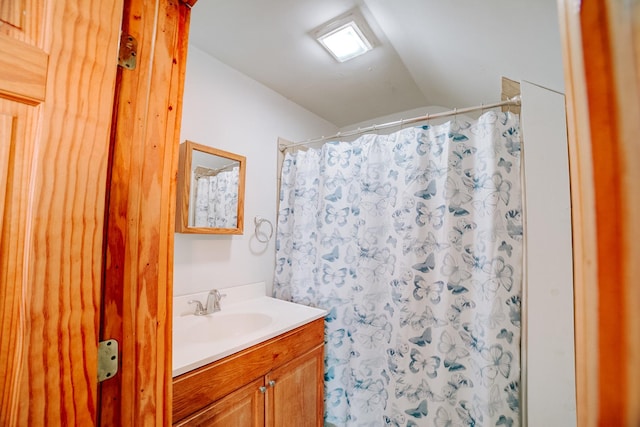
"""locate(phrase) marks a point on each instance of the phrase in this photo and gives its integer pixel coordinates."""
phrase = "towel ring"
(259, 222)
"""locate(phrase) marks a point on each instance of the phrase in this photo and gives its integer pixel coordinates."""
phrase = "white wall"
(549, 379)
(225, 109)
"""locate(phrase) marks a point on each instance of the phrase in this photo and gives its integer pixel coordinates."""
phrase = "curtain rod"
(516, 100)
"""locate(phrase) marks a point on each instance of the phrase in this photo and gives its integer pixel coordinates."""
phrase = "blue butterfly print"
(334, 397)
(456, 289)
(466, 150)
(335, 196)
(336, 215)
(471, 340)
(389, 309)
(423, 339)
(514, 224)
(458, 231)
(474, 262)
(504, 421)
(422, 290)
(336, 277)
(460, 304)
(504, 334)
(335, 182)
(455, 162)
(335, 239)
(428, 365)
(335, 338)
(505, 164)
(419, 321)
(469, 415)
(443, 419)
(427, 193)
(499, 362)
(513, 395)
(423, 247)
(332, 256)
(453, 271)
(493, 405)
(474, 183)
(428, 144)
(457, 137)
(499, 273)
(513, 141)
(453, 351)
(505, 247)
(338, 157)
(329, 374)
(450, 390)
(426, 216)
(331, 315)
(428, 265)
(514, 310)
(418, 412)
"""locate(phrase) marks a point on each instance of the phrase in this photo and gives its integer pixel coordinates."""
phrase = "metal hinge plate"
(128, 51)
(107, 359)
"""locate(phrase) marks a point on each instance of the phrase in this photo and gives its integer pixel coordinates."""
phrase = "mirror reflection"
(212, 193)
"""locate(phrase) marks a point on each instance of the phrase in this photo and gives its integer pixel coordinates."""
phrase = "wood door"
(138, 268)
(602, 73)
(57, 79)
(242, 408)
(295, 392)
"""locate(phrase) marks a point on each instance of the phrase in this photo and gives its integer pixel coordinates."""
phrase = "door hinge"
(128, 51)
(107, 359)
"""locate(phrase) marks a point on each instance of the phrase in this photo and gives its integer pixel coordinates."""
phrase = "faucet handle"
(199, 308)
(216, 294)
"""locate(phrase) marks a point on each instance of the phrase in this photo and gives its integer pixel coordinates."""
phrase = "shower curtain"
(217, 200)
(412, 242)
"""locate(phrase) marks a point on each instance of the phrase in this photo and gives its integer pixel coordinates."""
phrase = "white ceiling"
(450, 53)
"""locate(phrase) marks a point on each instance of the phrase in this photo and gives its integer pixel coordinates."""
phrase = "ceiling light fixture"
(346, 37)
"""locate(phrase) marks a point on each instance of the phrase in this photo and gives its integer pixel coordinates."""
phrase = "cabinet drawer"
(242, 408)
(195, 390)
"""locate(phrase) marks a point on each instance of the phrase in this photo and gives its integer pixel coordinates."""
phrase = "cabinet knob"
(263, 389)
(272, 383)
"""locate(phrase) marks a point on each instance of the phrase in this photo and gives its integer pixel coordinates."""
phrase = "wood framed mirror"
(210, 196)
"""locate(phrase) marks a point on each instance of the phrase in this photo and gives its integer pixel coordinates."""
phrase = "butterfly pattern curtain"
(217, 200)
(413, 243)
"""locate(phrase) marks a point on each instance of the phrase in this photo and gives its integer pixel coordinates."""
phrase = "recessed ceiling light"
(345, 42)
(346, 36)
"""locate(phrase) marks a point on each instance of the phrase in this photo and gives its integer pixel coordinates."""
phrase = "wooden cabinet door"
(58, 61)
(295, 392)
(242, 408)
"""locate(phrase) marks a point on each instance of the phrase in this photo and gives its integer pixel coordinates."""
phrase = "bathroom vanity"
(268, 374)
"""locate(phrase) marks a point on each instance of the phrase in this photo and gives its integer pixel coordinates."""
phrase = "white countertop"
(196, 344)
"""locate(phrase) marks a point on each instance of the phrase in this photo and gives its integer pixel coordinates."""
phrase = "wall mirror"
(210, 190)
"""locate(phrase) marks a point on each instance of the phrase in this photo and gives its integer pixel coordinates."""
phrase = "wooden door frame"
(600, 43)
(139, 230)
(601, 49)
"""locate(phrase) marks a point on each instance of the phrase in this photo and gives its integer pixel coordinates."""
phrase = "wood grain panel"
(52, 226)
(7, 140)
(242, 408)
(138, 274)
(11, 12)
(601, 44)
(23, 71)
(196, 389)
(291, 402)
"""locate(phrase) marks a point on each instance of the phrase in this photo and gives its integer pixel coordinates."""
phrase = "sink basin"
(221, 326)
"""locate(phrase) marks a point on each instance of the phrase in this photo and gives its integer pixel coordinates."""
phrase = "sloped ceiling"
(449, 53)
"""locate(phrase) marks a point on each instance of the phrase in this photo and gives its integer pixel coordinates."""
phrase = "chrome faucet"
(213, 303)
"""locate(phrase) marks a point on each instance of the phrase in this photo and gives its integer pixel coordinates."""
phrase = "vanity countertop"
(247, 317)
